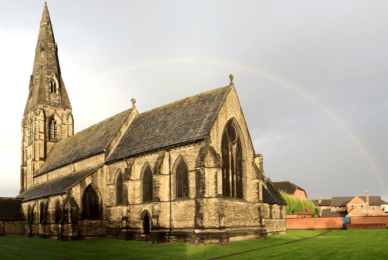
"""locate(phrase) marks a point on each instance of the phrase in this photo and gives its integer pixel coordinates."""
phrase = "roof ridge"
(176, 101)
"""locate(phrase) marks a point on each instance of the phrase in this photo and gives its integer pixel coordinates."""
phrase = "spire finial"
(231, 79)
(133, 101)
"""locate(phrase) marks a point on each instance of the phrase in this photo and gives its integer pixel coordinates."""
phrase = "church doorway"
(146, 224)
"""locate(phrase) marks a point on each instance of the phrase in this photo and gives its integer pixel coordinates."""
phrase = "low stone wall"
(314, 223)
(12, 228)
(366, 226)
(369, 220)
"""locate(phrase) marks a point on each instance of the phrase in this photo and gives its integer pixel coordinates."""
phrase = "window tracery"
(53, 129)
(232, 167)
(91, 204)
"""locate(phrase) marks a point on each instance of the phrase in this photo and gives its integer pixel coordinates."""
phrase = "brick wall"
(314, 223)
(369, 220)
(366, 226)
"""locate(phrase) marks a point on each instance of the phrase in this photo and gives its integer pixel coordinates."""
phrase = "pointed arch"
(58, 211)
(54, 84)
(146, 222)
(181, 172)
(42, 212)
(147, 183)
(119, 187)
(232, 155)
(53, 129)
(91, 203)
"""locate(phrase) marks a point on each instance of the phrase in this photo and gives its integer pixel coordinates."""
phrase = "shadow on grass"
(114, 249)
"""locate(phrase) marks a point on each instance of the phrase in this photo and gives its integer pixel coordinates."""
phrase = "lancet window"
(119, 188)
(42, 212)
(91, 204)
(232, 163)
(54, 84)
(182, 180)
(147, 184)
(53, 129)
(58, 211)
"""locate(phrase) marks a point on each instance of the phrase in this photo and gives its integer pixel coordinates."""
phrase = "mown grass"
(337, 244)
(114, 249)
(360, 244)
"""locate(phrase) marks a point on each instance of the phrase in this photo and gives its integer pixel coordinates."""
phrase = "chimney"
(319, 200)
(367, 197)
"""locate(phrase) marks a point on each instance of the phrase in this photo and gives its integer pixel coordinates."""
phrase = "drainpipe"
(169, 170)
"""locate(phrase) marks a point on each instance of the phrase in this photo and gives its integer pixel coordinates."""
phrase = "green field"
(338, 244)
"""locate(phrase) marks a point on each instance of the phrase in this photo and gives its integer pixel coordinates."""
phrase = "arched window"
(53, 129)
(30, 214)
(147, 184)
(119, 188)
(232, 163)
(91, 204)
(42, 212)
(54, 84)
(31, 132)
(182, 180)
(58, 211)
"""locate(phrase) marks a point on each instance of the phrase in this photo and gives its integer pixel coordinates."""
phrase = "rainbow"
(232, 65)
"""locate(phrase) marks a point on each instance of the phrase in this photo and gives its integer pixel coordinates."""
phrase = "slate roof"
(88, 142)
(288, 187)
(343, 201)
(10, 209)
(271, 195)
(315, 202)
(58, 185)
(182, 121)
(326, 213)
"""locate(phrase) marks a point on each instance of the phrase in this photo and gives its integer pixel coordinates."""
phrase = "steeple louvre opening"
(53, 129)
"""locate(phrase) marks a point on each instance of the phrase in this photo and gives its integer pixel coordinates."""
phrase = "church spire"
(46, 83)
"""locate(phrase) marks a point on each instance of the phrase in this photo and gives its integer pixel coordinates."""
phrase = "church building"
(185, 171)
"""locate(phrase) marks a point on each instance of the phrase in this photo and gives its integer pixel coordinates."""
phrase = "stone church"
(185, 171)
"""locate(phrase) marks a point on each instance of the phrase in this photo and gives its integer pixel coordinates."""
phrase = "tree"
(298, 206)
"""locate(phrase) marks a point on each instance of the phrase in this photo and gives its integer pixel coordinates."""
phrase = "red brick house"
(291, 189)
(358, 206)
(322, 204)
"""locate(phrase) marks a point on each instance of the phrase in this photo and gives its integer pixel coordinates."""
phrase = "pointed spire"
(45, 15)
(47, 85)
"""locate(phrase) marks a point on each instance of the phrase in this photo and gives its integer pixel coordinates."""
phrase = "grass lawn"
(362, 244)
(337, 244)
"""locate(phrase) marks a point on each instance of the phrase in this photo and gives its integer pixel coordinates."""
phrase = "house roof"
(315, 202)
(325, 202)
(326, 213)
(343, 201)
(57, 186)
(10, 209)
(88, 142)
(182, 121)
(288, 187)
(271, 195)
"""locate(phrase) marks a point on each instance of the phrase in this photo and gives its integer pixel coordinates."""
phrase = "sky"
(311, 77)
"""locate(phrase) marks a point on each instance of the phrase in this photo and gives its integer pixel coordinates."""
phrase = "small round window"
(232, 133)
